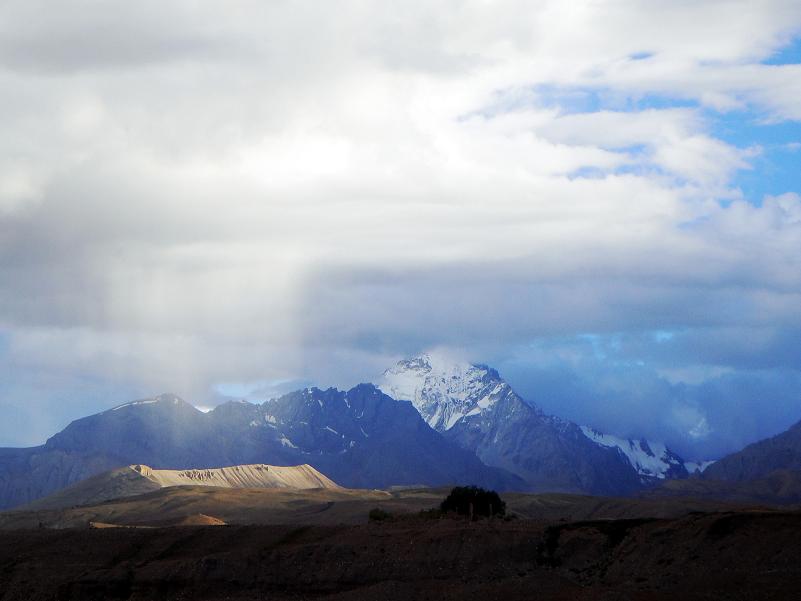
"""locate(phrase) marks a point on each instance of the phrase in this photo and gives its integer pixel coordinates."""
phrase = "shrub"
(378, 515)
(473, 502)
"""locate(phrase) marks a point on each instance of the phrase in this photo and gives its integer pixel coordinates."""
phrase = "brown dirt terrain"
(168, 506)
(780, 487)
(730, 555)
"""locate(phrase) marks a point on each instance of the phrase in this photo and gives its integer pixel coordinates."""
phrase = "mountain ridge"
(472, 405)
(462, 424)
(761, 458)
(360, 438)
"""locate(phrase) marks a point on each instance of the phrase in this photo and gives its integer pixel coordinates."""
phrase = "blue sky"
(776, 169)
(601, 199)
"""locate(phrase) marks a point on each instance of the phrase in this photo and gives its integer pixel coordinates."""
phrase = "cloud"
(90, 35)
(19, 186)
(701, 410)
(193, 194)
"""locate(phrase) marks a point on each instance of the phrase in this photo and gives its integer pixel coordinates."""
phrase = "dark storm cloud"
(702, 411)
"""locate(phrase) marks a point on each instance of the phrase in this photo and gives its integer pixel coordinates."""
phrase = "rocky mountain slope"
(360, 438)
(472, 406)
(759, 460)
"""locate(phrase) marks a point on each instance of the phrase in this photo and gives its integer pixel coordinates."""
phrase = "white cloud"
(20, 185)
(208, 193)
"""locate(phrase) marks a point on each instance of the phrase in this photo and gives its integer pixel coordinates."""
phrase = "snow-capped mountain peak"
(442, 390)
(471, 404)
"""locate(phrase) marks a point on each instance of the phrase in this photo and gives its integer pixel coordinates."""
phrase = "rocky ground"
(729, 555)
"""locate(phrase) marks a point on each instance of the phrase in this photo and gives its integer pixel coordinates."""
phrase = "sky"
(599, 198)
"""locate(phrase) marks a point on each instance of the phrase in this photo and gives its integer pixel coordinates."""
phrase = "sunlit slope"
(135, 480)
(241, 476)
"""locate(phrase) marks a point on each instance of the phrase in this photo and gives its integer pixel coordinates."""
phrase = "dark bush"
(473, 502)
(378, 515)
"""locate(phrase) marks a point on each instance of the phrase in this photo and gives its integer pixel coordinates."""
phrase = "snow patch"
(287, 443)
(454, 417)
(651, 459)
(697, 466)
(132, 403)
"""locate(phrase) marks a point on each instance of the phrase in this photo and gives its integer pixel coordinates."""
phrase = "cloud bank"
(207, 197)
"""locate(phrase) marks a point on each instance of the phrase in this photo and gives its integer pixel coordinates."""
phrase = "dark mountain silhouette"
(359, 438)
(760, 459)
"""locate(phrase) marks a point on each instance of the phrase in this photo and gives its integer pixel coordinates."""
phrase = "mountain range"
(427, 421)
(360, 438)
